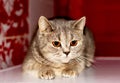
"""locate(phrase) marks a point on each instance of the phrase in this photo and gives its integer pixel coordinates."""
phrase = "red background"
(102, 18)
(14, 31)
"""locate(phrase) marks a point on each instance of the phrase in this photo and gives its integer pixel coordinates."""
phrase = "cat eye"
(73, 43)
(56, 43)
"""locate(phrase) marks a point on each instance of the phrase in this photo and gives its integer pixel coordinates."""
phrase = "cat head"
(60, 40)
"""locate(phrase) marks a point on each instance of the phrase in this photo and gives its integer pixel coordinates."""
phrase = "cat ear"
(44, 24)
(80, 24)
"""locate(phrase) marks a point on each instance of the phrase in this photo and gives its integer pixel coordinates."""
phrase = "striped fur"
(49, 61)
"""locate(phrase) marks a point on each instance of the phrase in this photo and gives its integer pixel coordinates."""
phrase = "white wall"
(38, 8)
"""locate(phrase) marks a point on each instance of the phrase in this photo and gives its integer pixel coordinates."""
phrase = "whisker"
(84, 58)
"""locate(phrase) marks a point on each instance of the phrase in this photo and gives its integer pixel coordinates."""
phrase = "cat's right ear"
(44, 25)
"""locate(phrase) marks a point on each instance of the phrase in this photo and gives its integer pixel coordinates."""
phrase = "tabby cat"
(59, 48)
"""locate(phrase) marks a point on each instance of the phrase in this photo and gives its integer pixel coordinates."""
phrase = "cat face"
(61, 40)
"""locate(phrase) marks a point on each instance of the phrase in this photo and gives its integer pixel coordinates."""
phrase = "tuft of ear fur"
(80, 24)
(44, 24)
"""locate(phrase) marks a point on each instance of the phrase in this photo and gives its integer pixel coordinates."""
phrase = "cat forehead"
(62, 23)
(63, 28)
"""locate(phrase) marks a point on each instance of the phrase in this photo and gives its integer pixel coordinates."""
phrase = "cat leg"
(69, 73)
(35, 69)
(73, 69)
(46, 73)
(31, 67)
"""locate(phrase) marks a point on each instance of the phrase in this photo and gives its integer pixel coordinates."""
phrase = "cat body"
(59, 48)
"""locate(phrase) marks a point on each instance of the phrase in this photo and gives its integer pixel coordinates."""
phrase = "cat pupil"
(73, 43)
(56, 43)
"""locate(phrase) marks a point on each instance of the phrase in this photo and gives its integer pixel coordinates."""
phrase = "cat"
(60, 48)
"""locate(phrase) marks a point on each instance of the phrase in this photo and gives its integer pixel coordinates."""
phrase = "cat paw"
(46, 74)
(69, 73)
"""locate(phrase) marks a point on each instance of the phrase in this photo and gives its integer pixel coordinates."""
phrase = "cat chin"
(65, 61)
(62, 61)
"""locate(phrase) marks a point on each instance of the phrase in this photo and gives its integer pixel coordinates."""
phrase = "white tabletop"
(103, 71)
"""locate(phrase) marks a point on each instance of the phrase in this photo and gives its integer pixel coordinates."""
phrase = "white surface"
(103, 71)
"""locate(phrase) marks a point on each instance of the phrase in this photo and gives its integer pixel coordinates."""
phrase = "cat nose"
(66, 52)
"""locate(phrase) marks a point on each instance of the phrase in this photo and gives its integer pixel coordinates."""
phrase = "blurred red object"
(102, 18)
(13, 32)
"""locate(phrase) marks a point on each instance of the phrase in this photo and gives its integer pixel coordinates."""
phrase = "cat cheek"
(71, 56)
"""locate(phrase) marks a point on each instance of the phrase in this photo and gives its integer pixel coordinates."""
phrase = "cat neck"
(43, 61)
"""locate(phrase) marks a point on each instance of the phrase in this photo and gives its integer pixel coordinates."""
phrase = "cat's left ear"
(80, 24)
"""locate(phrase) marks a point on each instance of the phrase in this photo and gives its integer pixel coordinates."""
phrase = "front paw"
(46, 74)
(69, 73)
